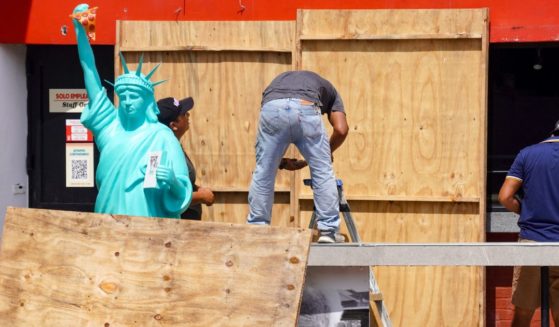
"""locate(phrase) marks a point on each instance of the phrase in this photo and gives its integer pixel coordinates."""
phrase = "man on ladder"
(292, 106)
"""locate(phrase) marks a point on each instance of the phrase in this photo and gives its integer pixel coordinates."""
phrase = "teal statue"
(142, 171)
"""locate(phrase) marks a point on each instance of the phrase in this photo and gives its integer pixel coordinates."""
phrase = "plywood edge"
(402, 198)
(13, 213)
(93, 247)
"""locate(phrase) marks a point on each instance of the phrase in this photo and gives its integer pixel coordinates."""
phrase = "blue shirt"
(537, 166)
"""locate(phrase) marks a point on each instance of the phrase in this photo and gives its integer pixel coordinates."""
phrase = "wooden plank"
(355, 197)
(354, 23)
(199, 48)
(405, 222)
(461, 35)
(232, 207)
(76, 269)
(276, 35)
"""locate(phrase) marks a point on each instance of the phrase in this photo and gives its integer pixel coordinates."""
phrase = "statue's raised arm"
(87, 59)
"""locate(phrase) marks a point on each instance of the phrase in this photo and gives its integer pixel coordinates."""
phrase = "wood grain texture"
(232, 207)
(257, 35)
(414, 86)
(392, 24)
(224, 66)
(414, 115)
(421, 296)
(82, 269)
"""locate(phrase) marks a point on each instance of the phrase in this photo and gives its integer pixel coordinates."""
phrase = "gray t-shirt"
(304, 85)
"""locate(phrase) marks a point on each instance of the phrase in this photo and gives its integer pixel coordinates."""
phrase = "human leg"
(554, 293)
(271, 144)
(525, 294)
(315, 148)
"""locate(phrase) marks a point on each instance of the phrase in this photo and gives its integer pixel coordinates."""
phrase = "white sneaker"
(327, 237)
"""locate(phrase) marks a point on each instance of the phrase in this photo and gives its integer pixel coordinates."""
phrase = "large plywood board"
(414, 86)
(62, 268)
(416, 126)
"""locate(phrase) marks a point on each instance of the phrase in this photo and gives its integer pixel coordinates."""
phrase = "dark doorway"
(56, 67)
(523, 105)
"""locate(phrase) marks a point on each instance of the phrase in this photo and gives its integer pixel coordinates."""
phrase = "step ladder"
(379, 313)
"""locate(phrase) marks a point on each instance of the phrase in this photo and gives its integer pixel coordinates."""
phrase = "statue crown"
(135, 78)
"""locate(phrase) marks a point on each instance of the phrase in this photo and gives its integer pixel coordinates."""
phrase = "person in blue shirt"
(535, 171)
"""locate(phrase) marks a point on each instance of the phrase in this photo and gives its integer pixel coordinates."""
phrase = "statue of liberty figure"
(128, 138)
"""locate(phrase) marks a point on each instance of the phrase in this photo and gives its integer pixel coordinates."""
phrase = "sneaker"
(339, 238)
(327, 237)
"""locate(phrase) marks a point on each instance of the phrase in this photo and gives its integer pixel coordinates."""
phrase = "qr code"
(79, 169)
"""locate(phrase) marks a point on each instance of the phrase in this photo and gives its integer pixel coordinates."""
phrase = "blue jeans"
(282, 122)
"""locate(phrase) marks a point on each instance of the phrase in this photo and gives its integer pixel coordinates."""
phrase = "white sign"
(79, 165)
(150, 180)
(67, 100)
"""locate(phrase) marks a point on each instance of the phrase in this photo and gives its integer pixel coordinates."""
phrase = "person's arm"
(87, 59)
(339, 123)
(507, 194)
(203, 195)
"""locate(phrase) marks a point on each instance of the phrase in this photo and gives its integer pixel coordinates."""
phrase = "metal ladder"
(379, 313)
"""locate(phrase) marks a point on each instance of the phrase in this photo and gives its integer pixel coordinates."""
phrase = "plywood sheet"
(414, 86)
(413, 107)
(61, 268)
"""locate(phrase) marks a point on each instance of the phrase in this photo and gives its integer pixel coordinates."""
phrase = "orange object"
(87, 19)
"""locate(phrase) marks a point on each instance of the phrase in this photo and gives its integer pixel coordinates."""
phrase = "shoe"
(339, 238)
(327, 237)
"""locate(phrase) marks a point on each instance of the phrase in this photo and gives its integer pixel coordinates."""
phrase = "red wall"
(40, 21)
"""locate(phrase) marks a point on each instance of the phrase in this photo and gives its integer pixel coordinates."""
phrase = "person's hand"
(206, 195)
(292, 164)
(166, 175)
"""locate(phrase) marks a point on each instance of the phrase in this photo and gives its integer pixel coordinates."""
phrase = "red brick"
(503, 303)
(503, 323)
(501, 314)
(503, 292)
